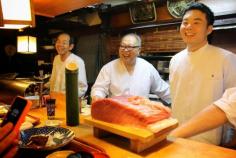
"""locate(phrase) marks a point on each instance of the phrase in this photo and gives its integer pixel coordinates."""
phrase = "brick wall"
(153, 41)
(162, 41)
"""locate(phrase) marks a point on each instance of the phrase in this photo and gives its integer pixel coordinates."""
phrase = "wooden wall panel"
(163, 13)
(225, 39)
(122, 19)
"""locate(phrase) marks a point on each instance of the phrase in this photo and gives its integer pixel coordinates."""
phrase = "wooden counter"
(117, 147)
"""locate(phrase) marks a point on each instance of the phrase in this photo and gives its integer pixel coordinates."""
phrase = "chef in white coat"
(201, 73)
(129, 74)
(64, 44)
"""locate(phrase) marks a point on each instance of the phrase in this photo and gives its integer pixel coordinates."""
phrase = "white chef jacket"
(57, 80)
(228, 104)
(114, 80)
(197, 79)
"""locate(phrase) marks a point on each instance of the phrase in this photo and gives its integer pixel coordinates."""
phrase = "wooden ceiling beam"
(52, 8)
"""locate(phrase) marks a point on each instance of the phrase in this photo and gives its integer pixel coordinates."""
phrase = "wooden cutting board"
(140, 139)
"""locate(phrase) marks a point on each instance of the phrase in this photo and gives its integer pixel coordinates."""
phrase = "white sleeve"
(102, 83)
(82, 79)
(52, 80)
(160, 87)
(229, 71)
(228, 104)
(172, 61)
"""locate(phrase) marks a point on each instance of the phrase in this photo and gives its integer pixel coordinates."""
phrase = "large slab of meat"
(132, 111)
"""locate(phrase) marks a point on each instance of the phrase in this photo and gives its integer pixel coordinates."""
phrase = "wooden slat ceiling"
(52, 8)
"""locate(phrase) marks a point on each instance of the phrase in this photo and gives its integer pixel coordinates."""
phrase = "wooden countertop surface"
(117, 147)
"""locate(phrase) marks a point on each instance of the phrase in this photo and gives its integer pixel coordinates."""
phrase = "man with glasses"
(129, 74)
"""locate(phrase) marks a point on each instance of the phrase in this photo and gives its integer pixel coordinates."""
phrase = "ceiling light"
(16, 14)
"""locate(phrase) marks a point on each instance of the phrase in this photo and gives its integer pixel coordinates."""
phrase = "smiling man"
(64, 44)
(200, 73)
(129, 74)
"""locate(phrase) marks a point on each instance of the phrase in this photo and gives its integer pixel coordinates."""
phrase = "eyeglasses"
(128, 47)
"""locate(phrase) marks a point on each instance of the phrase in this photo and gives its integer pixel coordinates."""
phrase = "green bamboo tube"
(72, 104)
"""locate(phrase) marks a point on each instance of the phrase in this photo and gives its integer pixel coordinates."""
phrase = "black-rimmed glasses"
(128, 47)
